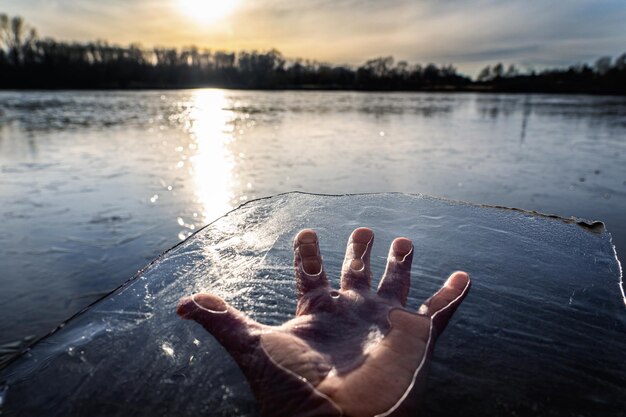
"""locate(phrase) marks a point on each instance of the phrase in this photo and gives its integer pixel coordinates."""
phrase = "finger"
(397, 278)
(356, 272)
(232, 329)
(442, 305)
(310, 272)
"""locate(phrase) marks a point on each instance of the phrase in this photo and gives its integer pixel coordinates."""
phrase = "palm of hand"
(348, 352)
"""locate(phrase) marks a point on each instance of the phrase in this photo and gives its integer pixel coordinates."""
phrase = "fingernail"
(210, 302)
(307, 236)
(362, 235)
(402, 246)
(458, 280)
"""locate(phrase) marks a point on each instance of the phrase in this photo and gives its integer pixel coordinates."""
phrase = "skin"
(348, 352)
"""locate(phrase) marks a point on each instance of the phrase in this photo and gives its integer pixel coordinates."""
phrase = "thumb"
(442, 305)
(232, 329)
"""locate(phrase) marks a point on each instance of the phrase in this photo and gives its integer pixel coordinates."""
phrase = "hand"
(347, 352)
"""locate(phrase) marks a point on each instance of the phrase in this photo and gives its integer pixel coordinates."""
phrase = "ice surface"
(542, 332)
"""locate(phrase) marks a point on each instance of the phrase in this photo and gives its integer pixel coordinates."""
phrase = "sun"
(207, 11)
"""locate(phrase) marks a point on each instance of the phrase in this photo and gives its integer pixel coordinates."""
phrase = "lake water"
(93, 185)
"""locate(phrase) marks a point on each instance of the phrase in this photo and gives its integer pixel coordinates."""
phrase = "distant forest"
(30, 62)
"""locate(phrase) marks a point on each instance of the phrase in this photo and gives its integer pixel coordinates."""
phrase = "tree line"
(28, 61)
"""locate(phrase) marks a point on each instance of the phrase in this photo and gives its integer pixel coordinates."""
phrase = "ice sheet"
(542, 332)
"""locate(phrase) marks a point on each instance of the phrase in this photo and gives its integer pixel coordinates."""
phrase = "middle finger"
(356, 272)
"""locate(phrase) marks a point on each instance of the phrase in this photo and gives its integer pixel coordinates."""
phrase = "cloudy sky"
(469, 34)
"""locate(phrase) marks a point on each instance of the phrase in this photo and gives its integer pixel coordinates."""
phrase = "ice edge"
(620, 282)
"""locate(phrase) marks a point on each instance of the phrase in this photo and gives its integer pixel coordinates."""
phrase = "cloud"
(469, 34)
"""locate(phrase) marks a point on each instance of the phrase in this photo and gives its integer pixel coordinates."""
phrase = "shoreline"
(306, 88)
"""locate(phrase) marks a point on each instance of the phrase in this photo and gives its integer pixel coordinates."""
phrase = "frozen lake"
(539, 334)
(95, 184)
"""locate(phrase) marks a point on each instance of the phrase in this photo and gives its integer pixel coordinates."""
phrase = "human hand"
(348, 352)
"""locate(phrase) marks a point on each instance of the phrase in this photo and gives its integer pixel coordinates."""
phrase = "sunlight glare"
(213, 163)
(204, 11)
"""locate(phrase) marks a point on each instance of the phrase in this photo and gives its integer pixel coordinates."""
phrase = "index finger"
(310, 273)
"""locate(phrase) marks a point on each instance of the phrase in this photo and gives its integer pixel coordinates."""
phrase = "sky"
(469, 34)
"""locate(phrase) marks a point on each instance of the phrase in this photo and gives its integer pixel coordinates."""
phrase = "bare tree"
(603, 65)
(620, 62)
(485, 74)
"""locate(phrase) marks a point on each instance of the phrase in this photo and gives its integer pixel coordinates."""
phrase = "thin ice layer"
(541, 333)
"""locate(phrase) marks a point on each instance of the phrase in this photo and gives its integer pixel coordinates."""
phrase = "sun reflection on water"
(212, 164)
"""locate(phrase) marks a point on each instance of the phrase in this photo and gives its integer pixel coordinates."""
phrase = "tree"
(620, 62)
(16, 32)
(511, 71)
(603, 65)
(497, 71)
(402, 70)
(430, 72)
(10, 34)
(4, 31)
(485, 74)
(379, 67)
(223, 60)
